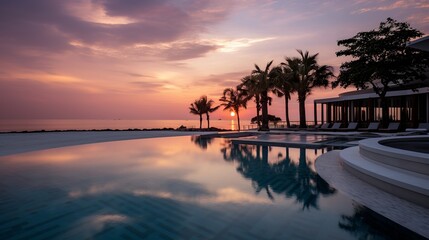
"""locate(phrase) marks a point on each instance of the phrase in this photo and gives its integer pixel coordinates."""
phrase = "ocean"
(91, 124)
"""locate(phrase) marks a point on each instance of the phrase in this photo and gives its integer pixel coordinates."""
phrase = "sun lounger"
(325, 126)
(336, 126)
(373, 126)
(393, 127)
(423, 127)
(351, 127)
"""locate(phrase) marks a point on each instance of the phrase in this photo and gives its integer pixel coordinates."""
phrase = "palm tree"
(307, 74)
(249, 86)
(208, 108)
(265, 83)
(234, 99)
(198, 108)
(284, 88)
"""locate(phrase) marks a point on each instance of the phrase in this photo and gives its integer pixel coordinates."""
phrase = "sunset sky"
(149, 59)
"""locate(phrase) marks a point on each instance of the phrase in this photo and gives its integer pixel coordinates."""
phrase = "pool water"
(177, 188)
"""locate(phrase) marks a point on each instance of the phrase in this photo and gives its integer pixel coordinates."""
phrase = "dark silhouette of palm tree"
(265, 83)
(198, 108)
(208, 108)
(249, 86)
(285, 87)
(234, 99)
(307, 74)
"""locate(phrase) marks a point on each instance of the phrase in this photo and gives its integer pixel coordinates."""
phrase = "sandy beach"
(13, 143)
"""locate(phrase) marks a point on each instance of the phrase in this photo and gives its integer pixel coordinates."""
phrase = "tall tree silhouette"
(198, 108)
(307, 74)
(249, 86)
(380, 59)
(234, 99)
(265, 83)
(285, 86)
(208, 108)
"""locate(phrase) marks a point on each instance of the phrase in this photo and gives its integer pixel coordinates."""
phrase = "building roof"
(369, 93)
(421, 44)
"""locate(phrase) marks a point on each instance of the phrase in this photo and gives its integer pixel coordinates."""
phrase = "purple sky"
(139, 59)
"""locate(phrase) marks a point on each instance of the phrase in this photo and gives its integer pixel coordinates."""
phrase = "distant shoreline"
(212, 129)
(38, 125)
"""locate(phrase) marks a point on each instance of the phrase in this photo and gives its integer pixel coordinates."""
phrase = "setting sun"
(232, 114)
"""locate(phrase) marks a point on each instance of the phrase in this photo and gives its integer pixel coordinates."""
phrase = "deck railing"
(280, 124)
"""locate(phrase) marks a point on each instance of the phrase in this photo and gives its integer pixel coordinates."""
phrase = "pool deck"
(263, 139)
(405, 213)
(14, 143)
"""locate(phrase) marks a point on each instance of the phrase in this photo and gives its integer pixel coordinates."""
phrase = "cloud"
(155, 86)
(149, 87)
(419, 18)
(39, 28)
(400, 4)
(180, 50)
(222, 195)
(223, 80)
(236, 44)
(137, 75)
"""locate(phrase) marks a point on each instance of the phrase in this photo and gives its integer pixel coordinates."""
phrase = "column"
(322, 114)
(315, 113)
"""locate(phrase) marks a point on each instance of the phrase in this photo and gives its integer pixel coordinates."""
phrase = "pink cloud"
(396, 5)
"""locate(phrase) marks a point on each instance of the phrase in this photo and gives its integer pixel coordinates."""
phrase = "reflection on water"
(288, 177)
(171, 188)
(201, 141)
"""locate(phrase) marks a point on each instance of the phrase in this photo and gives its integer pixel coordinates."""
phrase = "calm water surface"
(177, 188)
(85, 124)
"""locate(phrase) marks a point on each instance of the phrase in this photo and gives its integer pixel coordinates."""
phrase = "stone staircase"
(400, 172)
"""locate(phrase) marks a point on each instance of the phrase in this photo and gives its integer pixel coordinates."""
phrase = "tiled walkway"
(409, 215)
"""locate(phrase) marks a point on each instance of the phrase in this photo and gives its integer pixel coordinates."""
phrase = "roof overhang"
(421, 44)
(373, 95)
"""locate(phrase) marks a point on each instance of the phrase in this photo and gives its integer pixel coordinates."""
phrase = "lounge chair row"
(372, 127)
(353, 126)
(337, 127)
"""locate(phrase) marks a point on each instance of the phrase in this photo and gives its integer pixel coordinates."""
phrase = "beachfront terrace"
(406, 106)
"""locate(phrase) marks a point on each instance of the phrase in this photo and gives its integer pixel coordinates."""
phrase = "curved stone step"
(403, 159)
(406, 184)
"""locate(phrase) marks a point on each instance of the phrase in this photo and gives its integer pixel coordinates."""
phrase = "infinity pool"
(177, 188)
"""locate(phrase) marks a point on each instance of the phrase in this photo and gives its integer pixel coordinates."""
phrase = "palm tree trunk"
(238, 120)
(258, 118)
(264, 102)
(258, 108)
(208, 120)
(201, 121)
(302, 119)
(287, 111)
